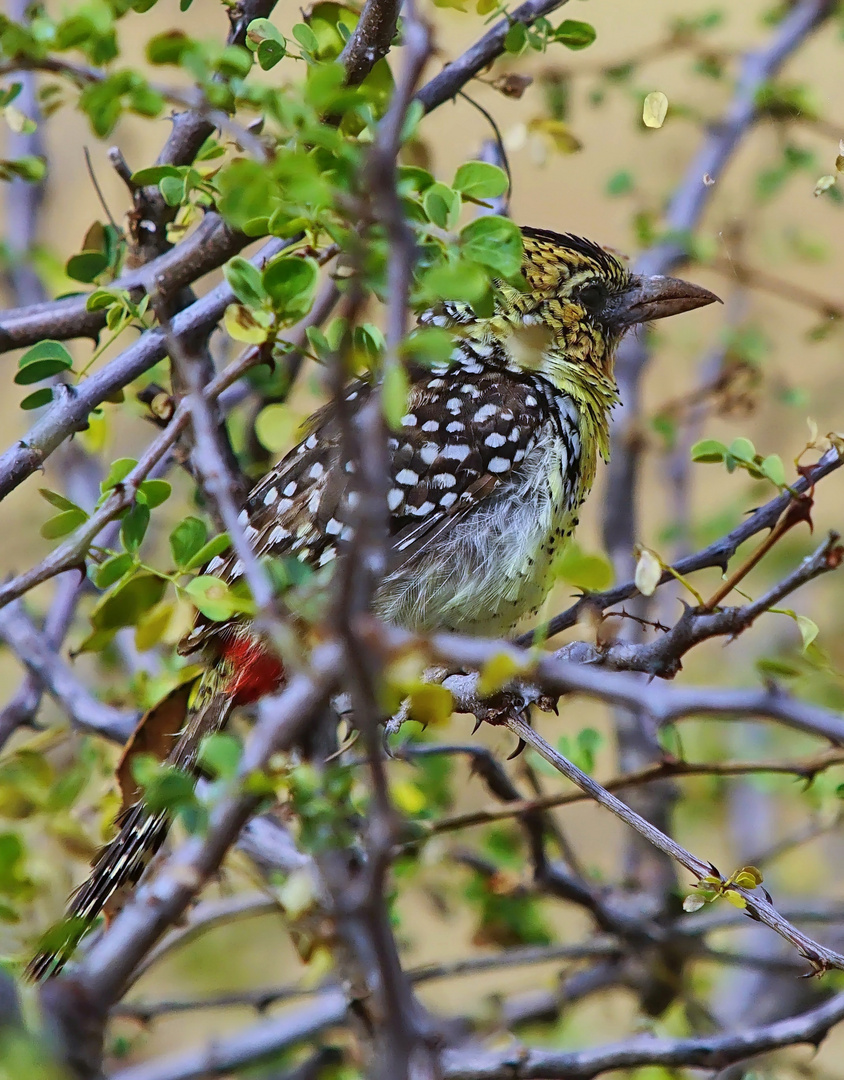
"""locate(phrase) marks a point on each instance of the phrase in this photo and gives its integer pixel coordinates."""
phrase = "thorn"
(478, 722)
(519, 748)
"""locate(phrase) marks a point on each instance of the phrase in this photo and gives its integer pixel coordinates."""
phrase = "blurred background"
(761, 366)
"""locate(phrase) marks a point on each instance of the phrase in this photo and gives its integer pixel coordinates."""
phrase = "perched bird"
(489, 467)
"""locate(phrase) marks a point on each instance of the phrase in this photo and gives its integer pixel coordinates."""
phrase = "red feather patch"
(257, 671)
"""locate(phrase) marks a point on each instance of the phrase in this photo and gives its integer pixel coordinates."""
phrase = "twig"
(455, 76)
(820, 958)
(252, 1044)
(716, 554)
(669, 768)
(35, 650)
(703, 1052)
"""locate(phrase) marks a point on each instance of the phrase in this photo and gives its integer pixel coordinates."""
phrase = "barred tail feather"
(119, 865)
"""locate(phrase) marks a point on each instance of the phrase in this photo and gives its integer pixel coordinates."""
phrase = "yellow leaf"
(736, 899)
(654, 109)
(152, 626)
(648, 572)
(430, 703)
(407, 796)
(824, 184)
(320, 964)
(298, 893)
(497, 672)
(241, 324)
(558, 132)
(748, 877)
(808, 630)
(93, 438)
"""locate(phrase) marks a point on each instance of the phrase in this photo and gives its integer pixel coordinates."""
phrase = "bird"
(489, 466)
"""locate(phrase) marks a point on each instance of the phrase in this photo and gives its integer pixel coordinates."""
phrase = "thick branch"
(207, 248)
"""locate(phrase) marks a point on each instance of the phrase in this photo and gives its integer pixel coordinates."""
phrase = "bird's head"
(587, 297)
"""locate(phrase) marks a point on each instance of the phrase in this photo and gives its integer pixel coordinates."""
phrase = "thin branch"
(371, 39)
(762, 910)
(210, 245)
(669, 768)
(703, 1052)
(454, 77)
(72, 552)
(716, 554)
(40, 656)
(265, 1040)
(159, 903)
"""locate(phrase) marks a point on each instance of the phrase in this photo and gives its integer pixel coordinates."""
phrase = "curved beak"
(657, 297)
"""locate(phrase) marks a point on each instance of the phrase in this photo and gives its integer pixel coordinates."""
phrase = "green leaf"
(442, 205)
(215, 546)
(113, 569)
(169, 47)
(809, 630)
(57, 500)
(395, 388)
(152, 626)
(154, 492)
(269, 53)
(709, 450)
(260, 30)
(290, 283)
(742, 449)
(125, 604)
(455, 281)
(117, 473)
(247, 191)
(63, 523)
(165, 786)
(42, 361)
(495, 242)
(590, 572)
(574, 34)
(41, 397)
(245, 281)
(29, 168)
(479, 180)
(134, 526)
(774, 469)
(516, 38)
(86, 265)
(172, 190)
(216, 600)
(186, 539)
(220, 755)
(306, 37)
(153, 175)
(276, 426)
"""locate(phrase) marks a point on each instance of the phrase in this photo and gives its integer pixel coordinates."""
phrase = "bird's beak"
(656, 297)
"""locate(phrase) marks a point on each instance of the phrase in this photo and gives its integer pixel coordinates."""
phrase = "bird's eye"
(592, 297)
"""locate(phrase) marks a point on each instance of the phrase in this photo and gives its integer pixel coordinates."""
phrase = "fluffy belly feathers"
(494, 567)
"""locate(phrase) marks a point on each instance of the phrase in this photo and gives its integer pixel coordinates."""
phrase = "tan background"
(566, 193)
